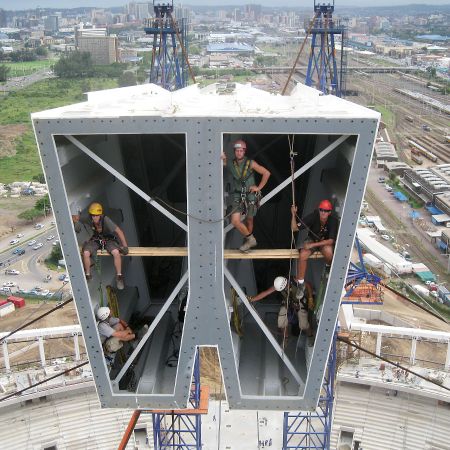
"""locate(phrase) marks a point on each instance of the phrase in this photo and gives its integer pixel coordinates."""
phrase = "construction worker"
(246, 192)
(112, 330)
(106, 235)
(293, 310)
(322, 228)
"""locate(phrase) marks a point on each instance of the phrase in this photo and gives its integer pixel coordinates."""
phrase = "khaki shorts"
(92, 246)
(251, 205)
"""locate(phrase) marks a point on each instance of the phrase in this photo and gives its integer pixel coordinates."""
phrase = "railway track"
(404, 234)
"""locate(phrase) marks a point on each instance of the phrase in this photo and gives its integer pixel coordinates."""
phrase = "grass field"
(16, 108)
(21, 69)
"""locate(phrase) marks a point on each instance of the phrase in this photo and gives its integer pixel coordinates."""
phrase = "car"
(38, 246)
(426, 127)
(17, 250)
(32, 242)
(23, 291)
(19, 235)
(34, 292)
(44, 293)
(386, 237)
(14, 242)
(62, 276)
(9, 284)
(388, 188)
(38, 226)
(55, 243)
(50, 238)
(381, 179)
(5, 290)
(12, 272)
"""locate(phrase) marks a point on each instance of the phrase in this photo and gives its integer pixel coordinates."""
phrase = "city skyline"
(64, 4)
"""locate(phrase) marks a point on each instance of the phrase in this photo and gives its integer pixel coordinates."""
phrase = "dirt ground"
(55, 348)
(10, 208)
(429, 354)
(8, 134)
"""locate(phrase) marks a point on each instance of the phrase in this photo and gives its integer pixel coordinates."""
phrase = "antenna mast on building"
(325, 72)
(169, 62)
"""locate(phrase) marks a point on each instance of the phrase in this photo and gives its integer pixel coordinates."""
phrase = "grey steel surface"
(207, 321)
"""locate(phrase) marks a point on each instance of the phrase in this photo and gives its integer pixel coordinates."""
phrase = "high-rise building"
(51, 24)
(253, 11)
(3, 21)
(103, 48)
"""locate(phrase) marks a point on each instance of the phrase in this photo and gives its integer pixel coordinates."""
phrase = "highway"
(31, 264)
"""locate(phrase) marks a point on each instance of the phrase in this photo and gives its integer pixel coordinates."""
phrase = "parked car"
(23, 291)
(55, 243)
(38, 246)
(16, 250)
(50, 238)
(381, 179)
(5, 290)
(38, 226)
(14, 242)
(19, 235)
(44, 293)
(426, 127)
(9, 284)
(62, 276)
(386, 237)
(32, 242)
(12, 272)
(388, 188)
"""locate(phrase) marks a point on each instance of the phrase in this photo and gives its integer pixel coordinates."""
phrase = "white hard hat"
(103, 313)
(280, 283)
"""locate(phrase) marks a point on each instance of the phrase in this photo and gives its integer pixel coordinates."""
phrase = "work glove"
(123, 250)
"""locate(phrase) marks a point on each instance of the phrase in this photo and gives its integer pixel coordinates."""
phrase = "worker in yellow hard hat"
(106, 235)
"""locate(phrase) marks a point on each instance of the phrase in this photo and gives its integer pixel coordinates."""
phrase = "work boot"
(119, 282)
(249, 242)
(300, 291)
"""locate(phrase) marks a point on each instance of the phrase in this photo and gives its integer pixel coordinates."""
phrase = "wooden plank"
(283, 253)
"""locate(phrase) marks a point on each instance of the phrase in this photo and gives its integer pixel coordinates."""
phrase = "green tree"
(39, 178)
(30, 214)
(43, 204)
(4, 72)
(41, 51)
(127, 78)
(74, 65)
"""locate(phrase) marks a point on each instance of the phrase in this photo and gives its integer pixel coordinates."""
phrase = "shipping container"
(18, 302)
(6, 309)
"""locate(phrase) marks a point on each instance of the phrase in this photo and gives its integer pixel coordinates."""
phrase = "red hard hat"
(325, 204)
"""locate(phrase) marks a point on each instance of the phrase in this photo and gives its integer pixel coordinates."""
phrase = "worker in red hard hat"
(322, 228)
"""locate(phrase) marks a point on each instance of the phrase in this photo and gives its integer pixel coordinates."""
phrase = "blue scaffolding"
(325, 72)
(180, 430)
(358, 275)
(169, 63)
(311, 429)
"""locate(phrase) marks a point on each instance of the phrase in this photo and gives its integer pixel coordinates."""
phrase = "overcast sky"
(29, 4)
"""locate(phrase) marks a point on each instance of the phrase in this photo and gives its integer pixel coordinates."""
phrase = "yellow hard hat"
(95, 209)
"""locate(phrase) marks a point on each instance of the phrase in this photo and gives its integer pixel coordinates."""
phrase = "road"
(31, 264)
(20, 82)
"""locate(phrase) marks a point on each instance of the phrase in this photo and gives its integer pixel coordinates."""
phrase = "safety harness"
(100, 237)
(242, 178)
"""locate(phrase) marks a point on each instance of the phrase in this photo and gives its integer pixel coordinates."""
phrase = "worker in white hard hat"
(112, 330)
(106, 235)
(293, 311)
